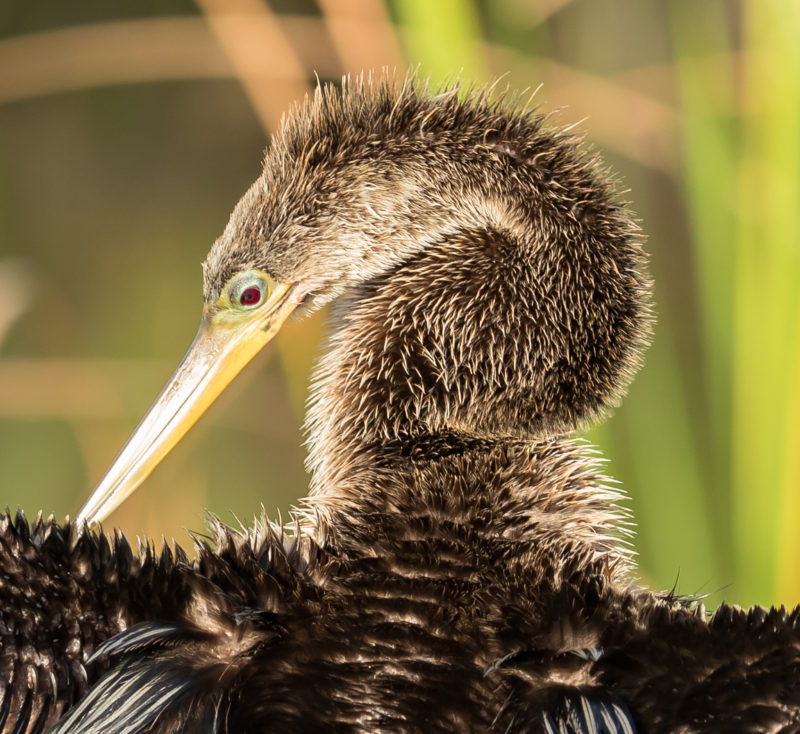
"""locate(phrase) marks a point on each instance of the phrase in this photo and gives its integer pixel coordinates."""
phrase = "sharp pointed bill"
(246, 316)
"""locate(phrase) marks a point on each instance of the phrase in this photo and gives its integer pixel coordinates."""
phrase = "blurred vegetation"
(128, 131)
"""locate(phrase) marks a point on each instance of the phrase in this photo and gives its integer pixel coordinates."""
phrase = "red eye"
(250, 296)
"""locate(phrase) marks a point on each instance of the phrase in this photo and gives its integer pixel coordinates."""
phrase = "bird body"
(460, 563)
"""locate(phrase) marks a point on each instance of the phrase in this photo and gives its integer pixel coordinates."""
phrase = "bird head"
(494, 282)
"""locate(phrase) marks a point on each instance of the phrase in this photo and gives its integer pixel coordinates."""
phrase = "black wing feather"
(593, 712)
(128, 699)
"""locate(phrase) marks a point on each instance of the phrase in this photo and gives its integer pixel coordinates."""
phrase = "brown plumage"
(460, 563)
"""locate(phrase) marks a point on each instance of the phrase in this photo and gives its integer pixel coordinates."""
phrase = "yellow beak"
(225, 343)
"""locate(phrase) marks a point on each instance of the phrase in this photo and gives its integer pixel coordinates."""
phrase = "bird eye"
(251, 296)
(248, 291)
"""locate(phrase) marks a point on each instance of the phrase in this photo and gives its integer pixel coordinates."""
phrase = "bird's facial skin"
(248, 312)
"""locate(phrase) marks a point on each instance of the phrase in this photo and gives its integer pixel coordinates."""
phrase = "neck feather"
(512, 309)
(440, 375)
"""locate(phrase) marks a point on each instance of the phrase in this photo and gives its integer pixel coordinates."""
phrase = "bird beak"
(225, 343)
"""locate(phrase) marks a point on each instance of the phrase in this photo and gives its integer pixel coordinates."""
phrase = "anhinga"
(459, 565)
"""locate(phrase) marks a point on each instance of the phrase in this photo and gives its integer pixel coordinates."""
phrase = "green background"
(128, 133)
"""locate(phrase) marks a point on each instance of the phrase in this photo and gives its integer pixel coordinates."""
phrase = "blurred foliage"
(127, 133)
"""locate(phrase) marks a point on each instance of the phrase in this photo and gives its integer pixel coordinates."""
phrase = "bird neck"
(436, 377)
(510, 308)
(543, 500)
(411, 354)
